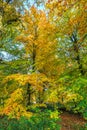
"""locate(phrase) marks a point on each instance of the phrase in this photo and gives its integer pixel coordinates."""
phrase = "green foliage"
(46, 120)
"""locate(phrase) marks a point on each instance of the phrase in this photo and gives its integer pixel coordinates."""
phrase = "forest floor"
(72, 122)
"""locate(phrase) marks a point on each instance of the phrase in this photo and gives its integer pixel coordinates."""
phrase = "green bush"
(46, 120)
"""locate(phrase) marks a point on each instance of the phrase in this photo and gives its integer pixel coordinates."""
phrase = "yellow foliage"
(36, 81)
(54, 115)
(52, 97)
(14, 105)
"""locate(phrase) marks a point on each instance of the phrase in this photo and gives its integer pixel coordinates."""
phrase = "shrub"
(46, 120)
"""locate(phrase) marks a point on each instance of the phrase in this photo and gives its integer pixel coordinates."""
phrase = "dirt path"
(72, 122)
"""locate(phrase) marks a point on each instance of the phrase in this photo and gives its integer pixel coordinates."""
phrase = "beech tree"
(70, 18)
(40, 45)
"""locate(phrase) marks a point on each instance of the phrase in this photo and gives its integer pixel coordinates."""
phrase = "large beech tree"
(71, 20)
(49, 50)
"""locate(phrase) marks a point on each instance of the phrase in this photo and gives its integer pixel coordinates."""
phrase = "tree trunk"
(28, 95)
(76, 49)
(33, 58)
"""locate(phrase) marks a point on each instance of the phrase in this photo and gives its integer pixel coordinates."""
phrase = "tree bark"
(76, 49)
(28, 95)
